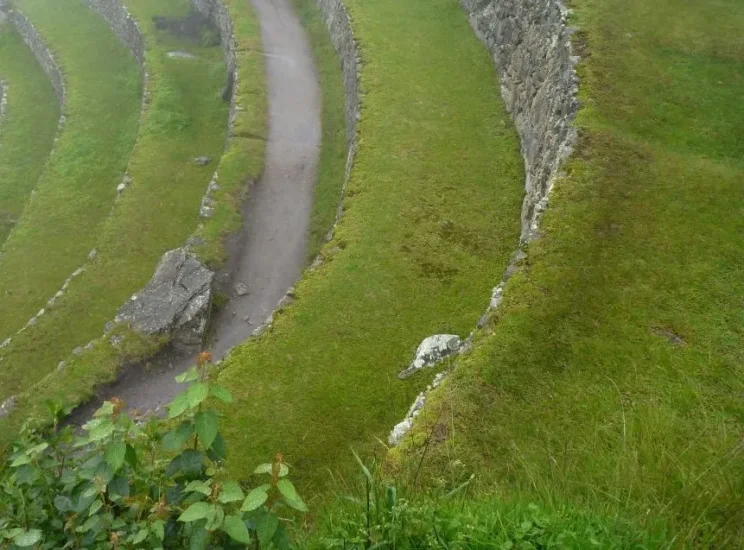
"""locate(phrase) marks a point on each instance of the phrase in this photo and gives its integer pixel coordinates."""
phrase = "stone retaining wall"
(339, 28)
(123, 24)
(531, 47)
(217, 13)
(37, 46)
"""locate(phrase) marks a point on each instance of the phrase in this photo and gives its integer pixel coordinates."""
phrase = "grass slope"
(613, 374)
(157, 212)
(75, 193)
(432, 215)
(27, 131)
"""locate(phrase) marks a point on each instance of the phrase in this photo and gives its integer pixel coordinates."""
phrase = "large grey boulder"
(432, 350)
(175, 302)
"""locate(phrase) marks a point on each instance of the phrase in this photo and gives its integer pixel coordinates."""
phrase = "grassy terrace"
(186, 118)
(613, 375)
(27, 131)
(432, 215)
(75, 193)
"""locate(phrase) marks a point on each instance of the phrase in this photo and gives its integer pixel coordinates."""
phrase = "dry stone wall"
(338, 23)
(217, 13)
(530, 41)
(123, 25)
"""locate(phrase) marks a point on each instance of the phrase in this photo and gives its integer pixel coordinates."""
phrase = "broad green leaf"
(115, 454)
(221, 393)
(131, 456)
(179, 405)
(283, 470)
(27, 538)
(263, 469)
(107, 409)
(195, 512)
(199, 539)
(36, 449)
(197, 393)
(231, 492)
(206, 427)
(290, 495)
(255, 498)
(198, 486)
(235, 527)
(158, 529)
(266, 525)
(97, 505)
(62, 503)
(20, 461)
(140, 536)
(215, 519)
(188, 376)
(218, 451)
(177, 438)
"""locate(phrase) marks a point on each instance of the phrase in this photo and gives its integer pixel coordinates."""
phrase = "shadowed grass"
(613, 372)
(27, 129)
(431, 217)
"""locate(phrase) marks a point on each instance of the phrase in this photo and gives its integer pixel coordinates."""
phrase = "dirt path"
(268, 255)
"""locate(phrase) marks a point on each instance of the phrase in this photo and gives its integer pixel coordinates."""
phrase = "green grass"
(77, 188)
(431, 217)
(186, 118)
(27, 130)
(332, 161)
(580, 390)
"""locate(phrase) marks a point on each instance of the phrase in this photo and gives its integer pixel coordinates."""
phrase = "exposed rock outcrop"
(176, 302)
(431, 351)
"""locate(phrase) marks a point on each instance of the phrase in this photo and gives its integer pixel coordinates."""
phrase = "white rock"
(432, 350)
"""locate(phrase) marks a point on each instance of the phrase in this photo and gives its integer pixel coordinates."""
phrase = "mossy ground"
(431, 217)
(28, 128)
(612, 375)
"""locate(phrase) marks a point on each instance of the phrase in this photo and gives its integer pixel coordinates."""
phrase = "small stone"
(8, 406)
(92, 254)
(61, 365)
(89, 346)
(77, 351)
(202, 161)
(241, 289)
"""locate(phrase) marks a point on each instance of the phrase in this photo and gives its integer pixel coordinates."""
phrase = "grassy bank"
(158, 211)
(431, 216)
(27, 131)
(77, 188)
(613, 373)
(332, 161)
(186, 118)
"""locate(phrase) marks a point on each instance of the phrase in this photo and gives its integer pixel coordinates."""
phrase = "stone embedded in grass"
(8, 406)
(202, 161)
(175, 302)
(432, 350)
(178, 54)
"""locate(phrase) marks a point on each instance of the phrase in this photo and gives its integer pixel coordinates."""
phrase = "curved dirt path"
(269, 253)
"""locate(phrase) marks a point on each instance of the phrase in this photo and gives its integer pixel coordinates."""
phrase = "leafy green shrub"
(130, 482)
